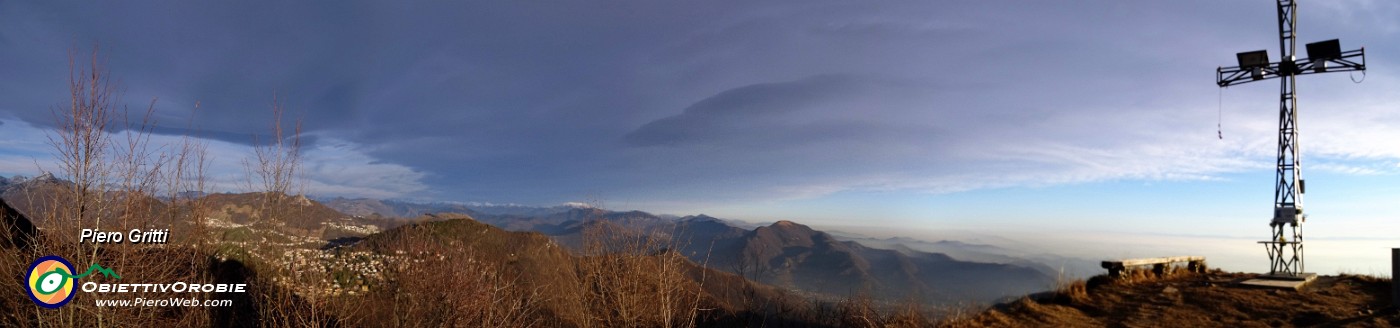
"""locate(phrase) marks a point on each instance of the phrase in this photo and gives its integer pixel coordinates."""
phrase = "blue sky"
(1029, 115)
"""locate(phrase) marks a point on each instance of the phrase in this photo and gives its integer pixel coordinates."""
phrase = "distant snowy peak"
(469, 204)
(577, 205)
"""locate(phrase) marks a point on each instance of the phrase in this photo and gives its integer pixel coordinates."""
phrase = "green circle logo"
(50, 281)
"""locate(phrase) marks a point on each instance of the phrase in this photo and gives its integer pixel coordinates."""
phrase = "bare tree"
(275, 164)
(80, 144)
(634, 278)
(81, 140)
(113, 172)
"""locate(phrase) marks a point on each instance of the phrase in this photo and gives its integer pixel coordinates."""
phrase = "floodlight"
(1322, 51)
(1325, 50)
(1257, 58)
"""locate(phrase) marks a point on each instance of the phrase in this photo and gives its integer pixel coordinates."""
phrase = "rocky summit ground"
(1213, 299)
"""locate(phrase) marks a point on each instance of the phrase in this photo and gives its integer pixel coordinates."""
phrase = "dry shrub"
(859, 310)
(274, 170)
(959, 316)
(438, 285)
(909, 314)
(634, 279)
(1072, 293)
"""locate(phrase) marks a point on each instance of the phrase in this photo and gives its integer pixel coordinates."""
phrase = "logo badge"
(50, 281)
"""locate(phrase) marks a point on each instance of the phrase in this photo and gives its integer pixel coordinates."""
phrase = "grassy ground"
(1199, 300)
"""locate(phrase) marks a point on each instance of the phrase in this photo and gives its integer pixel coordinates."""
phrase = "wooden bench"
(1159, 264)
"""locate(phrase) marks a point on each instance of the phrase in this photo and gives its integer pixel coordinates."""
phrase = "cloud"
(1358, 168)
(332, 167)
(329, 168)
(23, 150)
(707, 101)
(769, 113)
(338, 168)
(827, 134)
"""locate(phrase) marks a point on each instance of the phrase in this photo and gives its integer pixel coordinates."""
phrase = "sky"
(1028, 116)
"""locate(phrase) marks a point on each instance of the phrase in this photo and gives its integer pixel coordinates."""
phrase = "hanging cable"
(1353, 77)
(1220, 114)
